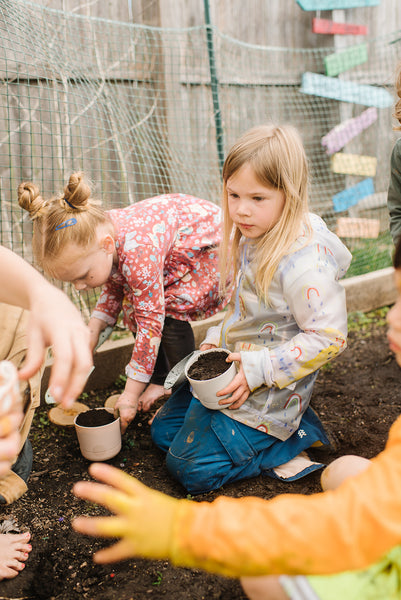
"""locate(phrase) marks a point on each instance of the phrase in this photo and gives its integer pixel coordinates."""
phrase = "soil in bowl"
(95, 418)
(208, 366)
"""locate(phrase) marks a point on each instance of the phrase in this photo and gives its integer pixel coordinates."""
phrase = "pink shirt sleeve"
(147, 310)
(109, 304)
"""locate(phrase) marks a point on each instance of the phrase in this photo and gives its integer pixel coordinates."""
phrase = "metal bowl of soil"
(98, 433)
(209, 373)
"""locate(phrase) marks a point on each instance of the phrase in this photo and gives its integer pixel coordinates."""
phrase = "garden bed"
(356, 396)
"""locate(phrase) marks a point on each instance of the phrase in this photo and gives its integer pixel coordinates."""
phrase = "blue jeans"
(206, 449)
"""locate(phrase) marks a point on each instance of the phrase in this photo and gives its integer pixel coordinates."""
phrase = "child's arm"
(54, 321)
(317, 302)
(95, 326)
(318, 534)
(107, 309)
(146, 317)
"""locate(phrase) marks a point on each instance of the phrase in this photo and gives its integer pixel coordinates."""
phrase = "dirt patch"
(356, 396)
(209, 365)
(95, 418)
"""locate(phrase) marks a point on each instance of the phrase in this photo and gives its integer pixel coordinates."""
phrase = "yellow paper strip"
(354, 164)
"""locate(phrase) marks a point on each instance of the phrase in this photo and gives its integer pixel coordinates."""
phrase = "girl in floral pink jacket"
(156, 260)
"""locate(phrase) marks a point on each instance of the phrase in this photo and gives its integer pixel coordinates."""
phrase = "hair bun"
(29, 198)
(77, 192)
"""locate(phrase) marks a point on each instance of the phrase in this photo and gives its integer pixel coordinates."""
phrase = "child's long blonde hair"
(278, 158)
(69, 218)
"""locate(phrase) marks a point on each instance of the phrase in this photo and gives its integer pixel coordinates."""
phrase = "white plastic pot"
(205, 390)
(101, 442)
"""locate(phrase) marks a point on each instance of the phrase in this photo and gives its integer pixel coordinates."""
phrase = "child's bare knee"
(342, 468)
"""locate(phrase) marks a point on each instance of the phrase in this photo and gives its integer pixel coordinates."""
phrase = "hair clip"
(68, 223)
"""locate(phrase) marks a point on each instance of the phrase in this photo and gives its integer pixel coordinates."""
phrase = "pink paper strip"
(346, 131)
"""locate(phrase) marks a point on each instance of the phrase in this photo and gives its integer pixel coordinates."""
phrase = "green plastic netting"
(144, 110)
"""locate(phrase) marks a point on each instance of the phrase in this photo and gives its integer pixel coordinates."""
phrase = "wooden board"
(344, 132)
(354, 164)
(328, 27)
(346, 59)
(111, 400)
(65, 417)
(346, 91)
(335, 4)
(357, 227)
(351, 196)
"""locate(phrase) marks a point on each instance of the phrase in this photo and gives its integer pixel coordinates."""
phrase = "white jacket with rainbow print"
(283, 344)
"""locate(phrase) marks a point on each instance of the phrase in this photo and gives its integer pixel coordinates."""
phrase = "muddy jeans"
(205, 449)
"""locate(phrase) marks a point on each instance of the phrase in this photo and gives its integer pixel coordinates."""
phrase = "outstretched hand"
(143, 517)
(54, 321)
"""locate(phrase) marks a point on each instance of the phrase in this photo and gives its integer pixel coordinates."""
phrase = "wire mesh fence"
(145, 110)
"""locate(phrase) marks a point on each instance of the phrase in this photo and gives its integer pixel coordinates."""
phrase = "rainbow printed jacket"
(284, 344)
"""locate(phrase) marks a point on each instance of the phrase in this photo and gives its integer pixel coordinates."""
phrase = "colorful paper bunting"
(351, 196)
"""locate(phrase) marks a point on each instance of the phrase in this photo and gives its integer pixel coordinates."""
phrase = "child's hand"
(238, 388)
(143, 517)
(128, 402)
(152, 394)
(126, 407)
(203, 347)
(54, 321)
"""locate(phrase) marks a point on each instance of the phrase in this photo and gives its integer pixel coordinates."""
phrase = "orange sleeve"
(348, 528)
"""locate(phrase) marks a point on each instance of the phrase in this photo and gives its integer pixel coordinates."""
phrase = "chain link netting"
(144, 110)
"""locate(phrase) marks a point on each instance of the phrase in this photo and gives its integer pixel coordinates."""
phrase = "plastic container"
(205, 389)
(100, 442)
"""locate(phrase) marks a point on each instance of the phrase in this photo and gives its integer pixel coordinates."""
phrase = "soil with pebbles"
(95, 417)
(209, 365)
(356, 396)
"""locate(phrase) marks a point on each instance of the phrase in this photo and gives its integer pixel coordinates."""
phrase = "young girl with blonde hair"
(156, 260)
(287, 318)
(344, 543)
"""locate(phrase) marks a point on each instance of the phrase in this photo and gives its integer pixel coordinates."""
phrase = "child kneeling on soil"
(323, 538)
(287, 318)
(156, 260)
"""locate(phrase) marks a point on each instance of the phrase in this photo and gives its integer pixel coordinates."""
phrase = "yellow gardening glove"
(143, 517)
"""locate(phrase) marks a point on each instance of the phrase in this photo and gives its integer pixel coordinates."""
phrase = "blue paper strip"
(352, 195)
(345, 91)
(334, 4)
